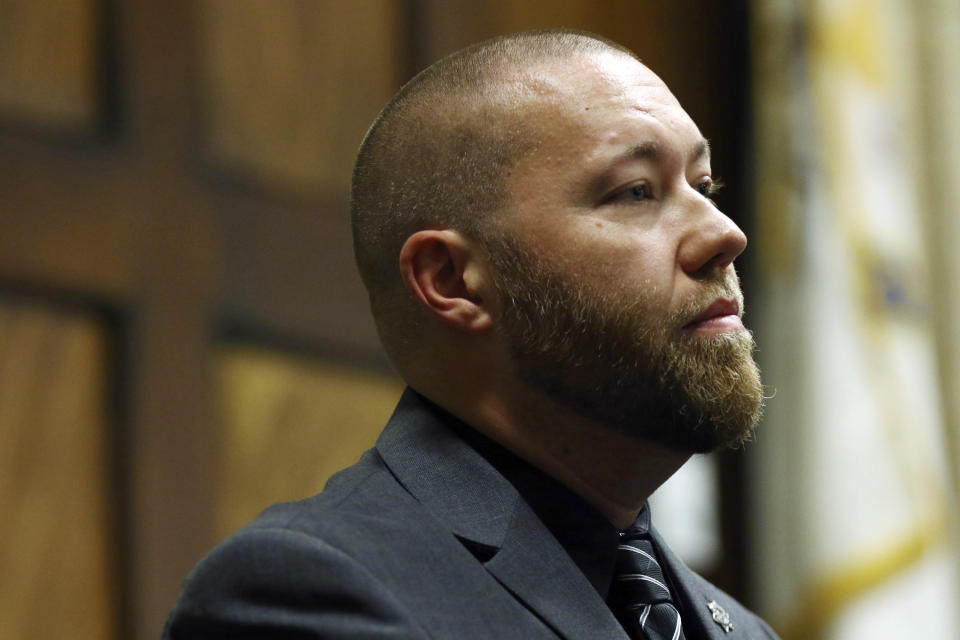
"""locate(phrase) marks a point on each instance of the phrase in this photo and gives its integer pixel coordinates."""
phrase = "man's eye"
(640, 192)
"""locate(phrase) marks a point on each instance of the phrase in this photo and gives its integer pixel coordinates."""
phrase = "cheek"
(632, 253)
(609, 255)
(627, 263)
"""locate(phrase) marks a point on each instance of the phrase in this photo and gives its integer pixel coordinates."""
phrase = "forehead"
(611, 76)
(602, 102)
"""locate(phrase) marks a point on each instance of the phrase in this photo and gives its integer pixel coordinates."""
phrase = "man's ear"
(445, 273)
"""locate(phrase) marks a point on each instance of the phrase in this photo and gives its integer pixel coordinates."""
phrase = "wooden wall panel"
(291, 86)
(642, 25)
(48, 62)
(293, 277)
(290, 423)
(56, 579)
(67, 222)
(452, 24)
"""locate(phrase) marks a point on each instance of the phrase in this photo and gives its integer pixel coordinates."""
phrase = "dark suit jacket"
(421, 538)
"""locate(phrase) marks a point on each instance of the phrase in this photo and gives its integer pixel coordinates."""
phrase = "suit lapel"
(696, 594)
(534, 567)
(484, 510)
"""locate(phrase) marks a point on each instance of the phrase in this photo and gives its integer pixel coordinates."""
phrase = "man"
(532, 219)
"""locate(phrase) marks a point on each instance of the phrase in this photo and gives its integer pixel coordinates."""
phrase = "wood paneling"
(67, 221)
(289, 423)
(48, 70)
(55, 543)
(291, 86)
(450, 25)
(292, 275)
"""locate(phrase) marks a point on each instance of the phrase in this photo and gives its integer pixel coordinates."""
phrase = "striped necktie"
(639, 595)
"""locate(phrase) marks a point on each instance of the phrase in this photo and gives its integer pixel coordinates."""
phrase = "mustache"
(726, 286)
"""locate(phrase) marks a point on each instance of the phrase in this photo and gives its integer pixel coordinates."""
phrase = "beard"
(616, 358)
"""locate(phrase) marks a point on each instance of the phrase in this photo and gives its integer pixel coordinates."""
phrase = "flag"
(853, 478)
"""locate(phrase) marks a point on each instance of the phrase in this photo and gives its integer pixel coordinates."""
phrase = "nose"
(712, 242)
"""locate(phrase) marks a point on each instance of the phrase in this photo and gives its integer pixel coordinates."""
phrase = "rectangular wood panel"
(55, 540)
(290, 86)
(48, 63)
(290, 423)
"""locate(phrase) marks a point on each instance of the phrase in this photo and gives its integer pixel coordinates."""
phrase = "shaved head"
(437, 156)
(575, 178)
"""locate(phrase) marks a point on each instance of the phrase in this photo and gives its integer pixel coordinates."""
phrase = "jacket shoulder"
(268, 582)
(296, 571)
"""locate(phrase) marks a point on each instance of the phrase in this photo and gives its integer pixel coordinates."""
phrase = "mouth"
(722, 315)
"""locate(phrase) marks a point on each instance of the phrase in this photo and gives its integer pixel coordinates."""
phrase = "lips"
(721, 312)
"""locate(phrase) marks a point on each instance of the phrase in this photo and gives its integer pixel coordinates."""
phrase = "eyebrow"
(650, 150)
(702, 149)
(647, 150)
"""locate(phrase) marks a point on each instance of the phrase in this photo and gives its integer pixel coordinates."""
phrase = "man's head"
(585, 186)
(437, 155)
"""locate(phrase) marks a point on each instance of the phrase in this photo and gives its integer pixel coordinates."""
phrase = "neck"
(614, 472)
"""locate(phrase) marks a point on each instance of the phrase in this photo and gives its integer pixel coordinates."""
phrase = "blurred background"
(184, 339)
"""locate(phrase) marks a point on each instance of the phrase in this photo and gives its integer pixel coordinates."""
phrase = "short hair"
(437, 154)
